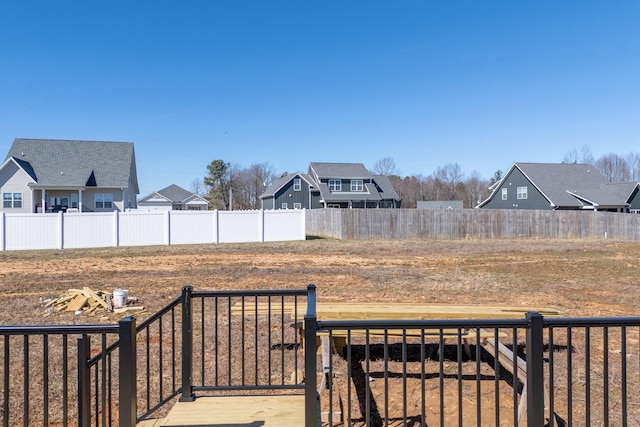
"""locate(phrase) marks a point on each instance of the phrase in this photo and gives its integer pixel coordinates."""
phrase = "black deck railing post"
(187, 346)
(311, 417)
(535, 370)
(84, 381)
(127, 376)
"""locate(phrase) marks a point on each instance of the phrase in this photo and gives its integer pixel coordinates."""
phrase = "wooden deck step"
(223, 411)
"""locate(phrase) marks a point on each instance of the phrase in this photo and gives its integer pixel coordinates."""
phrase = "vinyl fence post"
(311, 417)
(60, 230)
(216, 218)
(127, 377)
(3, 230)
(167, 228)
(261, 225)
(187, 346)
(116, 229)
(535, 370)
(84, 381)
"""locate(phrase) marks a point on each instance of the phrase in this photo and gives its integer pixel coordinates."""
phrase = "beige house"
(173, 198)
(45, 175)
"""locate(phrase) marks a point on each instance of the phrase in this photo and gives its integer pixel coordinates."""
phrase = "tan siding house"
(46, 175)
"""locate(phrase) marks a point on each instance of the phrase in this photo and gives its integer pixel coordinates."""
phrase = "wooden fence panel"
(470, 223)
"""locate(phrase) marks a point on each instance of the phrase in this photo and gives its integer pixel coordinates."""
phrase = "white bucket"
(120, 297)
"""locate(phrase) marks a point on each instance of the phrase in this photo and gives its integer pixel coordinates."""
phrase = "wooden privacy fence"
(470, 223)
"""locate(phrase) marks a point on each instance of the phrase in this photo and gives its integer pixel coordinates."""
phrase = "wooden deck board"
(393, 311)
(237, 411)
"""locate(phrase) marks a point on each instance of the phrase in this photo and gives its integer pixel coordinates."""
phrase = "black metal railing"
(592, 369)
(159, 342)
(42, 385)
(532, 371)
(234, 342)
(241, 341)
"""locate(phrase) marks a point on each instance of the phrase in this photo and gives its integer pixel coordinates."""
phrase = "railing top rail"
(58, 329)
(591, 321)
(176, 302)
(250, 293)
(421, 324)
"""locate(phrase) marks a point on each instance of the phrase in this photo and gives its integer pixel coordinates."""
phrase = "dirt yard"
(580, 277)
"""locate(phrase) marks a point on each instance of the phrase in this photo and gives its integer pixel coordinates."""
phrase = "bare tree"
(633, 160)
(614, 167)
(198, 187)
(476, 190)
(385, 166)
(451, 176)
(408, 188)
(259, 176)
(583, 156)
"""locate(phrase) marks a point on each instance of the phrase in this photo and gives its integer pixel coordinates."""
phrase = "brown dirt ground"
(582, 278)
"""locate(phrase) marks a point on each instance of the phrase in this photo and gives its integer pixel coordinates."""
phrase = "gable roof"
(570, 185)
(282, 181)
(175, 194)
(68, 163)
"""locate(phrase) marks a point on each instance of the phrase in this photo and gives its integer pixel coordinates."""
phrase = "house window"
(297, 184)
(104, 201)
(297, 206)
(522, 193)
(74, 200)
(11, 200)
(285, 206)
(335, 185)
(357, 185)
(504, 194)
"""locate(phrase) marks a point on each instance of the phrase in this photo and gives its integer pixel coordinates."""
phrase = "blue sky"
(479, 83)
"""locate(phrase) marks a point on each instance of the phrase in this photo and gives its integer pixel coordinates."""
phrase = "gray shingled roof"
(567, 185)
(339, 170)
(386, 188)
(175, 193)
(555, 180)
(615, 194)
(76, 163)
(345, 196)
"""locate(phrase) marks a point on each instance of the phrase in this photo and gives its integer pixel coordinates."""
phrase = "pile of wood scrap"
(87, 301)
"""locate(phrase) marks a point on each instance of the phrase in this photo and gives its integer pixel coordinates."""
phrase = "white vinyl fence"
(141, 228)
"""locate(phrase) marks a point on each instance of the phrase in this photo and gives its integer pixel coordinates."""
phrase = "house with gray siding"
(174, 198)
(560, 186)
(331, 185)
(47, 175)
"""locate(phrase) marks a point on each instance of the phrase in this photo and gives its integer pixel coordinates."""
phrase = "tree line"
(228, 186)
